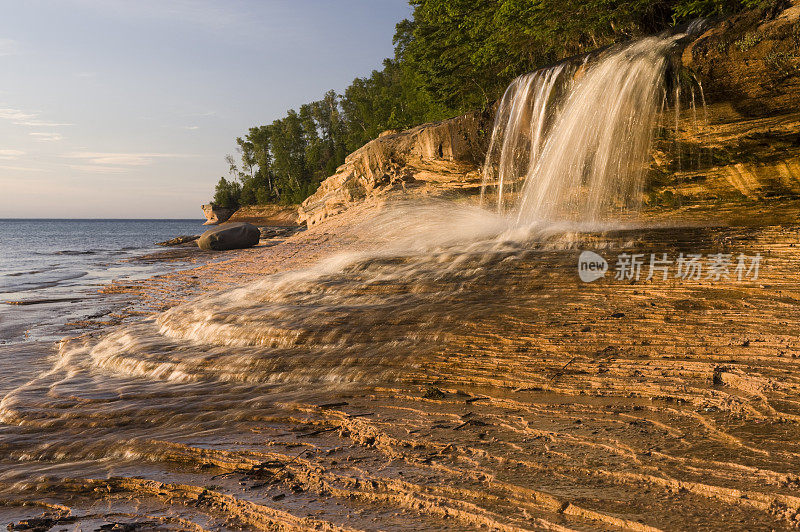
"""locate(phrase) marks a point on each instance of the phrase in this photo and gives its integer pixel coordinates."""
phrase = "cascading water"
(521, 125)
(571, 142)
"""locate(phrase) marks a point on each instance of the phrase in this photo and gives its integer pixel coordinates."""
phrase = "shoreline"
(55, 288)
(203, 272)
(559, 413)
(227, 269)
(345, 232)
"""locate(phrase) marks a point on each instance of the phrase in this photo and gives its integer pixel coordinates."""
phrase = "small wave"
(19, 274)
(28, 302)
(82, 252)
(38, 284)
(76, 252)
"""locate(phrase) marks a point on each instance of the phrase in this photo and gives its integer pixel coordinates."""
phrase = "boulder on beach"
(236, 235)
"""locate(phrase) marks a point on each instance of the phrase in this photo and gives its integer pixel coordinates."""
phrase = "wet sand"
(503, 394)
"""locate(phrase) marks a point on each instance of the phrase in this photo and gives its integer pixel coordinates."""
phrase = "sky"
(127, 108)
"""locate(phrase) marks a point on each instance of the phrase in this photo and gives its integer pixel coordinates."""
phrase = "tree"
(450, 57)
(227, 194)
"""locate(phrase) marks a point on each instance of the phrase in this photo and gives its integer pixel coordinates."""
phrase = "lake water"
(55, 267)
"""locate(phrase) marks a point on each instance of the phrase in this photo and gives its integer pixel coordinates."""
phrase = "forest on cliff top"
(451, 56)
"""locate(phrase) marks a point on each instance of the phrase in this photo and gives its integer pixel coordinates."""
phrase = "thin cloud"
(98, 169)
(46, 137)
(10, 155)
(15, 114)
(118, 161)
(41, 123)
(190, 128)
(19, 168)
(23, 118)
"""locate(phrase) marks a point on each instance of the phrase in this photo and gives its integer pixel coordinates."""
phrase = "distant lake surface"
(59, 266)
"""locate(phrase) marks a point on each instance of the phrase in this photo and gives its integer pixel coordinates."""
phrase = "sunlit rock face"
(266, 215)
(216, 215)
(751, 61)
(726, 136)
(741, 149)
(429, 159)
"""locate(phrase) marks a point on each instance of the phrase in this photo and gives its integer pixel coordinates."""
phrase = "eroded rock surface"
(178, 240)
(743, 146)
(533, 402)
(431, 159)
(216, 215)
(267, 215)
(751, 60)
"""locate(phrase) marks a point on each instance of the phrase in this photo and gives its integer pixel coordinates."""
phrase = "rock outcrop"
(236, 235)
(751, 60)
(432, 159)
(268, 215)
(178, 240)
(216, 215)
(743, 146)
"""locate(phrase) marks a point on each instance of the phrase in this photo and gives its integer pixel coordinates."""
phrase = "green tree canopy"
(450, 57)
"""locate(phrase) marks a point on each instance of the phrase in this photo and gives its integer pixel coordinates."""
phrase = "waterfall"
(572, 142)
(521, 122)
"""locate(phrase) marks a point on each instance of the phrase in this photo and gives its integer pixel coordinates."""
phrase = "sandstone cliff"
(431, 159)
(216, 215)
(751, 60)
(271, 215)
(742, 147)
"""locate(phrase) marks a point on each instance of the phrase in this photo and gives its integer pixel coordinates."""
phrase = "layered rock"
(431, 159)
(178, 240)
(727, 158)
(271, 215)
(751, 61)
(215, 214)
(743, 146)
